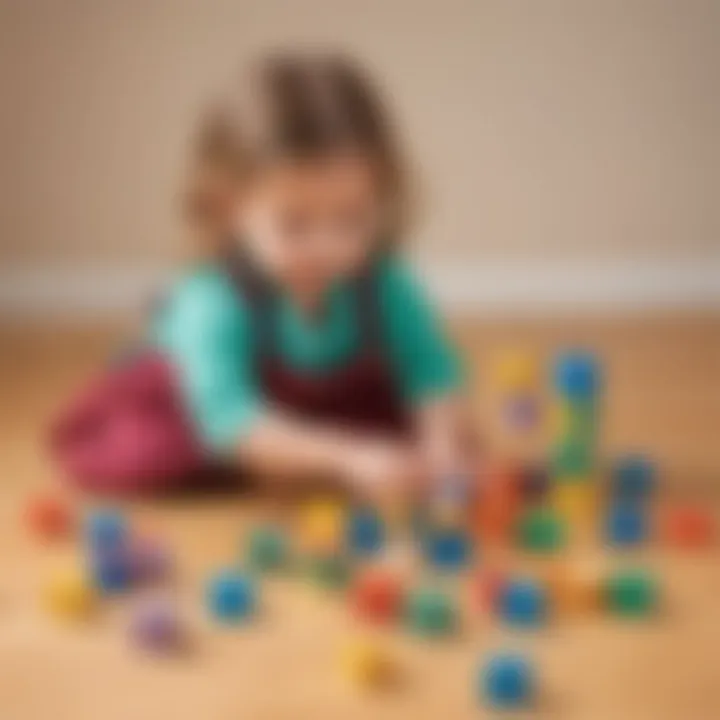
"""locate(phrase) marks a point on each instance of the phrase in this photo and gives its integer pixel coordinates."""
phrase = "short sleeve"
(425, 361)
(204, 330)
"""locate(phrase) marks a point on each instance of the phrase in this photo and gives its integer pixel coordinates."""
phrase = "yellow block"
(516, 370)
(322, 524)
(68, 594)
(366, 664)
(576, 501)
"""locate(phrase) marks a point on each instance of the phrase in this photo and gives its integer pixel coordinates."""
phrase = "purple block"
(156, 626)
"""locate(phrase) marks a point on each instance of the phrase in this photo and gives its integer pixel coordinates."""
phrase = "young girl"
(301, 346)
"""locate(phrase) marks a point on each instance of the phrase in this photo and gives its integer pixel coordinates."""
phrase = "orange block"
(574, 586)
(689, 527)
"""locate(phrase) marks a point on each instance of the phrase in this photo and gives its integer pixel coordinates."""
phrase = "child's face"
(310, 223)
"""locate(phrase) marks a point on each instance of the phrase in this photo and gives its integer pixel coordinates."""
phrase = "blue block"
(365, 532)
(448, 548)
(577, 375)
(231, 596)
(524, 603)
(626, 524)
(112, 571)
(106, 531)
(507, 681)
(633, 478)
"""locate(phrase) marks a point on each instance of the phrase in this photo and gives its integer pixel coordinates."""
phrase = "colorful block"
(633, 478)
(365, 532)
(231, 597)
(626, 524)
(516, 370)
(67, 593)
(575, 502)
(106, 531)
(541, 530)
(448, 548)
(574, 586)
(577, 375)
(377, 595)
(573, 457)
(155, 625)
(689, 527)
(507, 682)
(631, 593)
(367, 664)
(524, 603)
(322, 526)
(112, 571)
(431, 612)
(49, 517)
(267, 548)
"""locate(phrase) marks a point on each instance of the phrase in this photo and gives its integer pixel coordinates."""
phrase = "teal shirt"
(204, 329)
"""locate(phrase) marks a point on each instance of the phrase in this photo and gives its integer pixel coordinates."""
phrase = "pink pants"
(128, 433)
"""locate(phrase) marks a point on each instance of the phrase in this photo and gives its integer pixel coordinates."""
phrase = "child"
(300, 346)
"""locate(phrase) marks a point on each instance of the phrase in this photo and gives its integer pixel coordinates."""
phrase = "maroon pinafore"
(130, 433)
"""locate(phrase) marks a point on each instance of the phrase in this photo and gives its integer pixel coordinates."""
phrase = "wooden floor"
(663, 396)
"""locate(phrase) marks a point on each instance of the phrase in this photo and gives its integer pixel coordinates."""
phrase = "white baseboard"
(489, 288)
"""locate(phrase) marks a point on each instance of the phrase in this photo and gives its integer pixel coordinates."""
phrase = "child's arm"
(429, 371)
(206, 332)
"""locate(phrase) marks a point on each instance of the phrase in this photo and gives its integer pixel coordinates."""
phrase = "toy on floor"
(541, 530)
(68, 594)
(633, 478)
(523, 603)
(377, 595)
(626, 524)
(507, 682)
(267, 548)
(50, 517)
(155, 625)
(431, 612)
(367, 664)
(231, 597)
(689, 527)
(574, 586)
(112, 571)
(365, 533)
(106, 530)
(322, 526)
(631, 593)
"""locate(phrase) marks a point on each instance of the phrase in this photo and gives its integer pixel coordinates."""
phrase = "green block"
(573, 457)
(267, 548)
(541, 530)
(330, 571)
(431, 612)
(633, 593)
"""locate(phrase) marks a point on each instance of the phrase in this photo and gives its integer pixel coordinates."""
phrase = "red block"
(689, 527)
(377, 595)
(50, 517)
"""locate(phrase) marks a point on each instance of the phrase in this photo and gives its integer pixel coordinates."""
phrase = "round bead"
(448, 548)
(267, 548)
(68, 594)
(431, 612)
(49, 517)
(106, 531)
(367, 664)
(689, 527)
(541, 530)
(365, 532)
(231, 597)
(377, 595)
(632, 593)
(507, 681)
(155, 625)
(523, 603)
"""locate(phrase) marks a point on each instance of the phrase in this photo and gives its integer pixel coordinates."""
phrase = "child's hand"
(379, 469)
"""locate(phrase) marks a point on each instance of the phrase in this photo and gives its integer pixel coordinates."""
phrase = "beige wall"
(570, 127)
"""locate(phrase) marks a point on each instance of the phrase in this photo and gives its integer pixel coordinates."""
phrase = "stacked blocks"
(267, 548)
(633, 478)
(365, 534)
(231, 597)
(516, 375)
(523, 603)
(111, 561)
(507, 682)
(626, 524)
(540, 530)
(377, 595)
(631, 593)
(431, 612)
